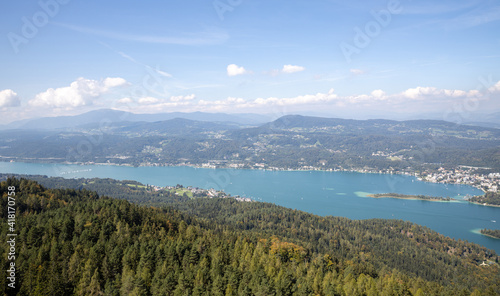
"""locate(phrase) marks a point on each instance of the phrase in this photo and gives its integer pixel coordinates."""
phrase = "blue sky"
(357, 59)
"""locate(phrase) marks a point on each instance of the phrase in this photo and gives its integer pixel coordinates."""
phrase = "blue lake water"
(322, 193)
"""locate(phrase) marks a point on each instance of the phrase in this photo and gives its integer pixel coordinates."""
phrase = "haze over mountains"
(288, 142)
(112, 117)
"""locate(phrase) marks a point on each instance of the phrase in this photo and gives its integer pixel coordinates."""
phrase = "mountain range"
(289, 142)
(93, 118)
(114, 116)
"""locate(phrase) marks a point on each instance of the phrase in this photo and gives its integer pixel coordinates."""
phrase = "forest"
(79, 242)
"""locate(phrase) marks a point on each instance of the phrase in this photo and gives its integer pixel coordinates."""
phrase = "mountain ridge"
(113, 116)
(116, 116)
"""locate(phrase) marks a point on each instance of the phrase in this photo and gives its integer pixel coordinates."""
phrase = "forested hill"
(73, 242)
(178, 126)
(290, 142)
(378, 126)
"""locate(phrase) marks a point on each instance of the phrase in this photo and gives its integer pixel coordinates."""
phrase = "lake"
(322, 193)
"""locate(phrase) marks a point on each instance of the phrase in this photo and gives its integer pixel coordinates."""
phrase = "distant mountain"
(374, 125)
(299, 121)
(61, 122)
(486, 120)
(484, 124)
(176, 126)
(113, 116)
(291, 142)
(493, 117)
(290, 125)
(243, 118)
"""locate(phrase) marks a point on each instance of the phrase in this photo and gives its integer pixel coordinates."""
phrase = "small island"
(491, 233)
(408, 196)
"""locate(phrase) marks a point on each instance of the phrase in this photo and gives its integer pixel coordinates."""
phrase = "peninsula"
(494, 233)
(489, 199)
(408, 196)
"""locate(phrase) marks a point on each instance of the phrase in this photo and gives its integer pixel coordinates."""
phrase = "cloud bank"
(292, 69)
(81, 92)
(87, 94)
(413, 100)
(8, 98)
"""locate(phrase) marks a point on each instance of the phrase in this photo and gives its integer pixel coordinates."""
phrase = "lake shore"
(288, 189)
(478, 231)
(223, 166)
(492, 236)
(484, 204)
(426, 198)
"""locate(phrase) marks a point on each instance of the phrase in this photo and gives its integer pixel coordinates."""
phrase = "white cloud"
(149, 104)
(419, 99)
(357, 71)
(378, 93)
(292, 69)
(182, 98)
(495, 88)
(418, 92)
(114, 82)
(234, 70)
(152, 105)
(259, 103)
(413, 100)
(8, 98)
(287, 69)
(125, 101)
(148, 101)
(421, 93)
(299, 100)
(230, 102)
(81, 92)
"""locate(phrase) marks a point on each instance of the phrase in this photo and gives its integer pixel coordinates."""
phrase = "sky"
(349, 59)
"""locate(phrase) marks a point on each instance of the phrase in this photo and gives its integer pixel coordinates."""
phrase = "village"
(464, 175)
(194, 192)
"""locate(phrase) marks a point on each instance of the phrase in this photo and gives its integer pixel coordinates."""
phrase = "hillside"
(75, 242)
(176, 127)
(290, 142)
(381, 126)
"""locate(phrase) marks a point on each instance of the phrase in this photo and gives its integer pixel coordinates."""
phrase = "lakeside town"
(191, 191)
(464, 175)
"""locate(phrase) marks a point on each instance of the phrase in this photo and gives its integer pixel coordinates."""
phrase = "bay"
(318, 192)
